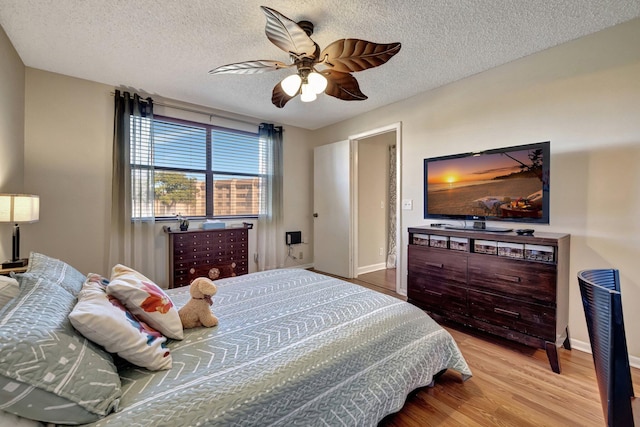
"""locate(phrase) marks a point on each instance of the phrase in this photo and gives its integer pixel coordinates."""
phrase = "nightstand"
(8, 271)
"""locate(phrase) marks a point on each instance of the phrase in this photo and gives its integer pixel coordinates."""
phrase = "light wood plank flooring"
(512, 385)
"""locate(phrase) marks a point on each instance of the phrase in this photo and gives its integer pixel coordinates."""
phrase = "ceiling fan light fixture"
(291, 84)
(308, 94)
(337, 61)
(317, 81)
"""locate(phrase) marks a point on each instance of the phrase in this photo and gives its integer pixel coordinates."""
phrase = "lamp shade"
(307, 93)
(19, 208)
(318, 82)
(291, 84)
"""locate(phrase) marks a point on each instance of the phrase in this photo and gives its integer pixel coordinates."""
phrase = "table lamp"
(16, 208)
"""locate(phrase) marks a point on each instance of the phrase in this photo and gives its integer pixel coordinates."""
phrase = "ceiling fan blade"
(288, 36)
(279, 97)
(349, 55)
(343, 86)
(250, 67)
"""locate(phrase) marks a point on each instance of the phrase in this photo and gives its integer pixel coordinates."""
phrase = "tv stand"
(512, 286)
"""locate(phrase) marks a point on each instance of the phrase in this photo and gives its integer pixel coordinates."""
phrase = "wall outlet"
(381, 252)
(300, 255)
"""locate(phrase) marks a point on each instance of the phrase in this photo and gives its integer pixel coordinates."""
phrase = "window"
(203, 170)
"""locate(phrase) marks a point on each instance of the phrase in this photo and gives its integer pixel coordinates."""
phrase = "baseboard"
(369, 268)
(634, 361)
(303, 266)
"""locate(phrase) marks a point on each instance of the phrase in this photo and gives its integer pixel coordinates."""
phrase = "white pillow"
(146, 300)
(9, 289)
(102, 319)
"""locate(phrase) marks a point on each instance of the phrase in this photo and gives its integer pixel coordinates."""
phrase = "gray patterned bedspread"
(292, 348)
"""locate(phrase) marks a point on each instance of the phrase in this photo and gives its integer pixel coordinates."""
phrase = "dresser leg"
(552, 355)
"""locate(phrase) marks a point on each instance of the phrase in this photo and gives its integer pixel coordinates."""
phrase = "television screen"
(506, 184)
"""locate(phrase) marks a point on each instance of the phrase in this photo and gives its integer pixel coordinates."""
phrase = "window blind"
(203, 170)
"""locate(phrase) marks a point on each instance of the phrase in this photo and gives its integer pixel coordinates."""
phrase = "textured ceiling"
(167, 47)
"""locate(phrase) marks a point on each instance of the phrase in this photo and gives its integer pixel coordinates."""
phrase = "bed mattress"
(292, 348)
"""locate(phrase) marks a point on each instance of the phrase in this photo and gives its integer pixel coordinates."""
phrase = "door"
(332, 233)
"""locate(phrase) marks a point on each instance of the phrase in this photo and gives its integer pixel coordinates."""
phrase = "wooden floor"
(512, 385)
(381, 278)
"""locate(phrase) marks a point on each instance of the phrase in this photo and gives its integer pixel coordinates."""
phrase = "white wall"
(11, 134)
(583, 96)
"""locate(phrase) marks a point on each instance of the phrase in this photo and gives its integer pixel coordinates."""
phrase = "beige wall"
(68, 140)
(11, 133)
(583, 96)
(68, 136)
(298, 194)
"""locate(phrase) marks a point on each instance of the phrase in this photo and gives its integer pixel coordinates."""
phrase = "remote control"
(525, 231)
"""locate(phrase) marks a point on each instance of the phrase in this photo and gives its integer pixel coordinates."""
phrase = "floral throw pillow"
(104, 320)
(146, 300)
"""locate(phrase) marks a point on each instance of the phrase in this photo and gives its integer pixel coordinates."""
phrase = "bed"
(293, 347)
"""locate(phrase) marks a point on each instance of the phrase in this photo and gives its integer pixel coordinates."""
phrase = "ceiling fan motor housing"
(306, 26)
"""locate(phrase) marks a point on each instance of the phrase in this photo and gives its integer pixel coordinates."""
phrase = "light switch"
(407, 204)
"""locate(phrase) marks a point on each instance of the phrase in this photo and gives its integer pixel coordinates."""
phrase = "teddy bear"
(196, 311)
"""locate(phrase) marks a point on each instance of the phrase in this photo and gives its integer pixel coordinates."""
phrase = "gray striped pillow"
(48, 371)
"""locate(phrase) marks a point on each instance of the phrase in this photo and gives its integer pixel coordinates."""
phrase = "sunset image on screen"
(473, 169)
(498, 184)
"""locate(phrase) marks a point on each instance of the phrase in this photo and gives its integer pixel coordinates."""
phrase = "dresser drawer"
(181, 280)
(195, 251)
(214, 271)
(529, 281)
(237, 253)
(438, 266)
(436, 296)
(527, 318)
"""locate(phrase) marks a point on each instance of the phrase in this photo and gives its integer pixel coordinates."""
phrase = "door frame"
(354, 141)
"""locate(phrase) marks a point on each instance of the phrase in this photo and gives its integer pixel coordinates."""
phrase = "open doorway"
(375, 199)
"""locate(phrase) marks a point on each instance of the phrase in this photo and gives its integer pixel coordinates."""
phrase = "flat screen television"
(504, 184)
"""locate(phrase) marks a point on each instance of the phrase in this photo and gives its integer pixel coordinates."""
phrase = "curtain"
(392, 223)
(132, 237)
(270, 216)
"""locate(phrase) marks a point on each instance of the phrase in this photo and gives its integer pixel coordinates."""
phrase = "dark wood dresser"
(516, 287)
(210, 253)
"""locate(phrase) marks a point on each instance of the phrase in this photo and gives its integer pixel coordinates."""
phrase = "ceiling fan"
(327, 71)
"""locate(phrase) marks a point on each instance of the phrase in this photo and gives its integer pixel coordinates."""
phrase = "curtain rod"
(192, 110)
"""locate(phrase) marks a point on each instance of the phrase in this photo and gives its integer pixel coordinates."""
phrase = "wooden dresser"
(516, 287)
(210, 253)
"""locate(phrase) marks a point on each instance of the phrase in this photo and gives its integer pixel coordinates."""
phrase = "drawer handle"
(514, 279)
(507, 312)
(434, 264)
(429, 291)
